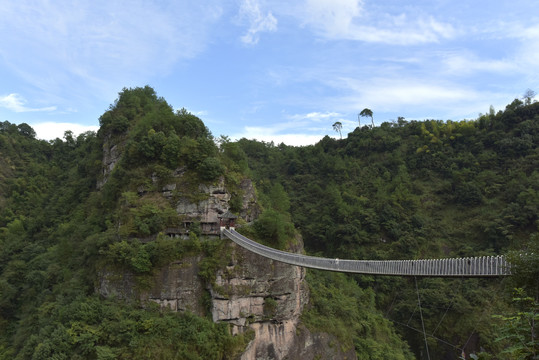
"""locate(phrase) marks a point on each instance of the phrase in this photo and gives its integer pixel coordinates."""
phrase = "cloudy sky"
(281, 71)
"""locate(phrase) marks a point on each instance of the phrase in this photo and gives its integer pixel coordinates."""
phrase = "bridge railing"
(484, 266)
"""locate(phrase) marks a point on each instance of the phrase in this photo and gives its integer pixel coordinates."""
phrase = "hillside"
(79, 214)
(411, 190)
(98, 232)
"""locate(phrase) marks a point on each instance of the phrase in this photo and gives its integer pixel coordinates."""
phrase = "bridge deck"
(484, 266)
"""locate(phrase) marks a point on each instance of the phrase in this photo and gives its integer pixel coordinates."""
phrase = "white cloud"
(421, 32)
(199, 113)
(466, 63)
(420, 98)
(316, 116)
(321, 122)
(333, 17)
(517, 41)
(527, 56)
(267, 134)
(258, 22)
(301, 130)
(350, 20)
(17, 103)
(389, 94)
(97, 47)
(53, 130)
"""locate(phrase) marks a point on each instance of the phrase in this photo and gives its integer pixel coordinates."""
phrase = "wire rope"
(496, 297)
(447, 309)
(432, 336)
(421, 315)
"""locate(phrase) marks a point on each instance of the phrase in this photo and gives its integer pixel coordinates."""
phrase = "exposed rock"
(177, 286)
(250, 209)
(268, 296)
(272, 341)
(215, 199)
(209, 209)
(308, 345)
(298, 341)
(250, 292)
(111, 154)
(253, 288)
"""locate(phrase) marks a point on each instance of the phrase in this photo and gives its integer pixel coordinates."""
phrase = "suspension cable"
(421, 315)
(431, 336)
(447, 309)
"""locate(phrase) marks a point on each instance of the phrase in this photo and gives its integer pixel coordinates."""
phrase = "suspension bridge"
(483, 266)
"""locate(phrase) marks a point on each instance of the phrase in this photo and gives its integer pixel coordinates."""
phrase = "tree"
(367, 113)
(528, 96)
(26, 130)
(519, 329)
(210, 168)
(337, 127)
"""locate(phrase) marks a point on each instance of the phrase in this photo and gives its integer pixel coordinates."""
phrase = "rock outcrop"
(112, 151)
(268, 297)
(212, 201)
(215, 201)
(176, 286)
(250, 292)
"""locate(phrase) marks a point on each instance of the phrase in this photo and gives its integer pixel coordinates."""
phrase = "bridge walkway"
(483, 266)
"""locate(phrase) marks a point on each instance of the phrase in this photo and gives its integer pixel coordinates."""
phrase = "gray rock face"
(308, 345)
(253, 288)
(268, 297)
(215, 200)
(111, 155)
(215, 203)
(250, 292)
(250, 209)
(263, 295)
(176, 286)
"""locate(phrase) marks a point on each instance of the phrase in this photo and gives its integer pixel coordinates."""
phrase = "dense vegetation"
(402, 190)
(57, 231)
(430, 189)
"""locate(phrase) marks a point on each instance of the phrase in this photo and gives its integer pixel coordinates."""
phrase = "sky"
(282, 71)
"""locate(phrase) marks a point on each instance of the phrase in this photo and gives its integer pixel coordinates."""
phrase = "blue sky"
(281, 71)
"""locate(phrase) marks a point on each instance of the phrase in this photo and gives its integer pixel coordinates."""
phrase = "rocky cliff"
(251, 293)
(112, 151)
(268, 297)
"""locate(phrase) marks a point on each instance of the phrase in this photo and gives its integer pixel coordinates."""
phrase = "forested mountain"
(403, 190)
(412, 190)
(57, 230)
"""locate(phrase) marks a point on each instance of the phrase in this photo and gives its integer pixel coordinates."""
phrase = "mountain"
(424, 189)
(110, 246)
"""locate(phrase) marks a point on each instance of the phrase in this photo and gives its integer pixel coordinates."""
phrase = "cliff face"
(111, 155)
(215, 201)
(268, 297)
(250, 292)
(176, 286)
(259, 294)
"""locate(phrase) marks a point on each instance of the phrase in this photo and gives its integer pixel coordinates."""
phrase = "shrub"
(210, 169)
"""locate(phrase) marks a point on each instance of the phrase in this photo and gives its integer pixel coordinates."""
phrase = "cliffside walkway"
(484, 266)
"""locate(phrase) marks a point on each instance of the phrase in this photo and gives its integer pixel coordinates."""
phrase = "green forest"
(400, 190)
